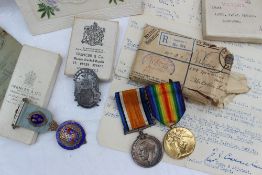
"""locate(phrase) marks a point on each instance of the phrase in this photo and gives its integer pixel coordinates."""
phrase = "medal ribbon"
(134, 110)
(166, 102)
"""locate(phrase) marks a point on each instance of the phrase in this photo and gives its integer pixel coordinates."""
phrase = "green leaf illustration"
(45, 10)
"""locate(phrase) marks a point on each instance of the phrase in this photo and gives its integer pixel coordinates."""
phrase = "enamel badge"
(70, 135)
(33, 117)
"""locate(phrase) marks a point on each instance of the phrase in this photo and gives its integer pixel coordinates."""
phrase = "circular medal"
(70, 135)
(179, 143)
(147, 151)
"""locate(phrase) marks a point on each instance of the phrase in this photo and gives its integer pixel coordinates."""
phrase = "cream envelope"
(234, 20)
(44, 16)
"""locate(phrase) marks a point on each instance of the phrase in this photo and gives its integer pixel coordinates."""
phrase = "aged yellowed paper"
(202, 68)
(228, 140)
(9, 53)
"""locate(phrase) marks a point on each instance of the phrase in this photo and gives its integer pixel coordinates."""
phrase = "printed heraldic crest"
(93, 35)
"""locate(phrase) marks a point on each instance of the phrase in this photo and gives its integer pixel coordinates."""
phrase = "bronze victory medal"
(179, 143)
(147, 150)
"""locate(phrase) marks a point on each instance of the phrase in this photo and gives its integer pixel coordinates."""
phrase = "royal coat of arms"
(30, 78)
(93, 35)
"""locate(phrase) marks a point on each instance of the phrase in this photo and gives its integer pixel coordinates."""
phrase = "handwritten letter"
(229, 140)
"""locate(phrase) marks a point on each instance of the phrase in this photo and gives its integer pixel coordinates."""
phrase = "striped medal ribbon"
(135, 115)
(133, 109)
(166, 102)
(167, 105)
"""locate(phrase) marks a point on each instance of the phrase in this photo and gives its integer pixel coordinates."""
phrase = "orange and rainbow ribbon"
(166, 102)
(134, 110)
(163, 101)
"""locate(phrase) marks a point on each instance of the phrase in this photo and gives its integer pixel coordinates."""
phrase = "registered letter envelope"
(203, 69)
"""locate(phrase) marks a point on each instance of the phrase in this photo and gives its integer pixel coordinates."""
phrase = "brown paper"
(203, 69)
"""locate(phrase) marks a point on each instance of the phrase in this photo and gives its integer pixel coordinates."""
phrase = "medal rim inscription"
(169, 151)
(82, 140)
(159, 145)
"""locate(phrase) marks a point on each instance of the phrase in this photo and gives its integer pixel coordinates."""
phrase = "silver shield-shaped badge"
(87, 92)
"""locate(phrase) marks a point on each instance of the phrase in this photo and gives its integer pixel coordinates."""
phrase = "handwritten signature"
(216, 159)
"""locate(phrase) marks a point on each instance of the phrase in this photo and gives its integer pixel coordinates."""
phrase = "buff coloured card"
(232, 20)
(93, 46)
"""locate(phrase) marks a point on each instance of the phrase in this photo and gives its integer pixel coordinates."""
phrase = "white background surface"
(46, 157)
